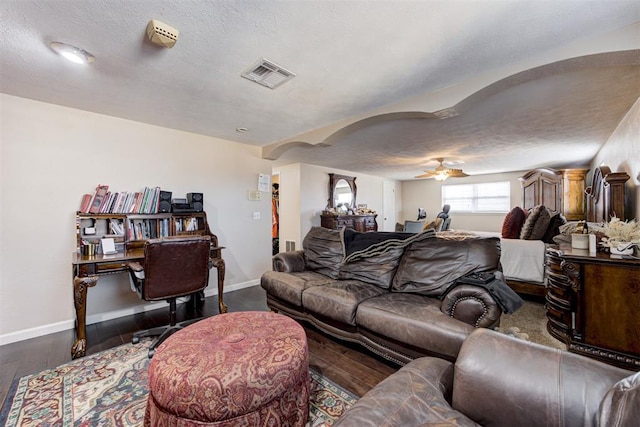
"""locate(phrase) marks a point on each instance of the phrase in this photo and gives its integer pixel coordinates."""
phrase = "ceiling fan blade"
(457, 173)
(427, 174)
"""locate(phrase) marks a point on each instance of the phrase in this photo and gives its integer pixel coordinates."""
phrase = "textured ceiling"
(370, 75)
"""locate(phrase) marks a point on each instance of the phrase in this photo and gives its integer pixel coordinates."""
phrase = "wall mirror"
(342, 192)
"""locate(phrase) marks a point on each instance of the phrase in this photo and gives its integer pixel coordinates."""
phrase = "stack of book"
(126, 202)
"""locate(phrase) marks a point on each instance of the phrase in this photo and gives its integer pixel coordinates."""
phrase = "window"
(488, 197)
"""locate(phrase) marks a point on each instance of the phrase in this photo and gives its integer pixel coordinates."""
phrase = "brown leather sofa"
(499, 380)
(397, 296)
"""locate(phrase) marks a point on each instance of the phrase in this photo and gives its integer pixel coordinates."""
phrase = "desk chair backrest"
(446, 219)
(175, 267)
(413, 226)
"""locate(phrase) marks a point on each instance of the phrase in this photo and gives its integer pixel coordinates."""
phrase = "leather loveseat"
(395, 293)
(499, 380)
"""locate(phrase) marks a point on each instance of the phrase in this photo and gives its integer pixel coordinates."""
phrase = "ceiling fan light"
(441, 176)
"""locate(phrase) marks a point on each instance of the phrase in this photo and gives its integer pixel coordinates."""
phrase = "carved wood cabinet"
(559, 190)
(593, 305)
(361, 223)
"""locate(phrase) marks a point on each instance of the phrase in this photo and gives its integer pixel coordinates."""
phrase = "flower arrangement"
(620, 233)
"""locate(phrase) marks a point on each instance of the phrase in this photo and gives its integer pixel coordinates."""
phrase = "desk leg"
(220, 267)
(80, 285)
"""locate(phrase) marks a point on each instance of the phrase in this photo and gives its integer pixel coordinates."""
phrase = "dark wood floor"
(348, 365)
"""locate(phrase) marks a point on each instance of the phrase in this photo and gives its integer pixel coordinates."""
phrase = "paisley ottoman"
(233, 369)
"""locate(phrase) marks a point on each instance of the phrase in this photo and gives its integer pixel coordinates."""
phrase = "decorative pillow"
(536, 224)
(435, 224)
(429, 267)
(619, 407)
(323, 251)
(378, 258)
(513, 223)
(554, 227)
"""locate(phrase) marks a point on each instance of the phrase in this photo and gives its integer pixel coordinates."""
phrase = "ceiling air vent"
(268, 74)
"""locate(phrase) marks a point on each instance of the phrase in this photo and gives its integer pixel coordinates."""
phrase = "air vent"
(268, 74)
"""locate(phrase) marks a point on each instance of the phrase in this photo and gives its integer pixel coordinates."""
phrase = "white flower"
(617, 231)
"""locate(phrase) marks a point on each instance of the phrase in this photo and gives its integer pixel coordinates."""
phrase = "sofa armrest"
(531, 384)
(473, 305)
(289, 262)
(416, 395)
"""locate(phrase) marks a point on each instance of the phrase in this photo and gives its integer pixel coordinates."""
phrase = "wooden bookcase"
(130, 231)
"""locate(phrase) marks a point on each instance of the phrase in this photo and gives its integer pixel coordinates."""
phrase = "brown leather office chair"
(173, 267)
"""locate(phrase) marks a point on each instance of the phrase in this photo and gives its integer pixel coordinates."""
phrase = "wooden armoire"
(559, 190)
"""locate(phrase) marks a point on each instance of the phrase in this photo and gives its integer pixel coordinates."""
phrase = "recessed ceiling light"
(241, 130)
(72, 53)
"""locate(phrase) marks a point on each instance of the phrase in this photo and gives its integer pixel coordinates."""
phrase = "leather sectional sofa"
(499, 380)
(397, 294)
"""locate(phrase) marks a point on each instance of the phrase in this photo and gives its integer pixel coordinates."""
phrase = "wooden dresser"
(593, 305)
(361, 223)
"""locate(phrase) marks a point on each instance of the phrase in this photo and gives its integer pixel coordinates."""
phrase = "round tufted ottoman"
(234, 369)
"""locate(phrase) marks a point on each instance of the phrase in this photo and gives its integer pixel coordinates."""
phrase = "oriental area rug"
(111, 388)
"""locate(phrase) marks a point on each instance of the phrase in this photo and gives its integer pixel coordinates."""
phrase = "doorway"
(275, 213)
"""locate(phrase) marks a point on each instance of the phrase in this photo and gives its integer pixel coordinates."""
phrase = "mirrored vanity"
(342, 210)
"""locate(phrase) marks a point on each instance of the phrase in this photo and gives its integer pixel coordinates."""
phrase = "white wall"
(427, 194)
(621, 153)
(52, 155)
(304, 192)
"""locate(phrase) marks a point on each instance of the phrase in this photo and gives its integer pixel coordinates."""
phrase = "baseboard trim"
(52, 328)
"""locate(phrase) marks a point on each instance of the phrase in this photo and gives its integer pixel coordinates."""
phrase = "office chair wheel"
(135, 340)
(151, 352)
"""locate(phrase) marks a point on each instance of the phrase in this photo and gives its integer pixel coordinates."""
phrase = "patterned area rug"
(110, 389)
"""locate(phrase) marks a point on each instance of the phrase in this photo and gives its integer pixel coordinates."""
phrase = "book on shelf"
(98, 197)
(103, 201)
(116, 226)
(86, 203)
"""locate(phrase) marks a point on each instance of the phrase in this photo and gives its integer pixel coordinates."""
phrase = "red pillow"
(513, 223)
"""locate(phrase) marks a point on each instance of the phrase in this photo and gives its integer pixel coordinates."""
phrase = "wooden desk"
(592, 305)
(87, 270)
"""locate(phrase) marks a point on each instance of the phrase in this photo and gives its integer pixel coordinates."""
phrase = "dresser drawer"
(562, 319)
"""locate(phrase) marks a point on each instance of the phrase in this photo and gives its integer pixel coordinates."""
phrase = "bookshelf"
(130, 231)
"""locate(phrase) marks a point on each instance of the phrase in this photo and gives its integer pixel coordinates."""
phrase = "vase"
(627, 251)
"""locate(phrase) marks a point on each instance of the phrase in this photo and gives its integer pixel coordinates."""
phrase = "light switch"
(256, 215)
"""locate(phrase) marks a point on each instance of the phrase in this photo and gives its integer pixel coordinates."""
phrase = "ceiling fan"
(441, 172)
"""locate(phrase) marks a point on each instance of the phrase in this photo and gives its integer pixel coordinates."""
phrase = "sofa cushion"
(377, 261)
(513, 222)
(339, 300)
(621, 405)
(536, 224)
(323, 251)
(429, 267)
(289, 286)
(415, 320)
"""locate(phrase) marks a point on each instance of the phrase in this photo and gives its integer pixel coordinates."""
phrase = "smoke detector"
(162, 34)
